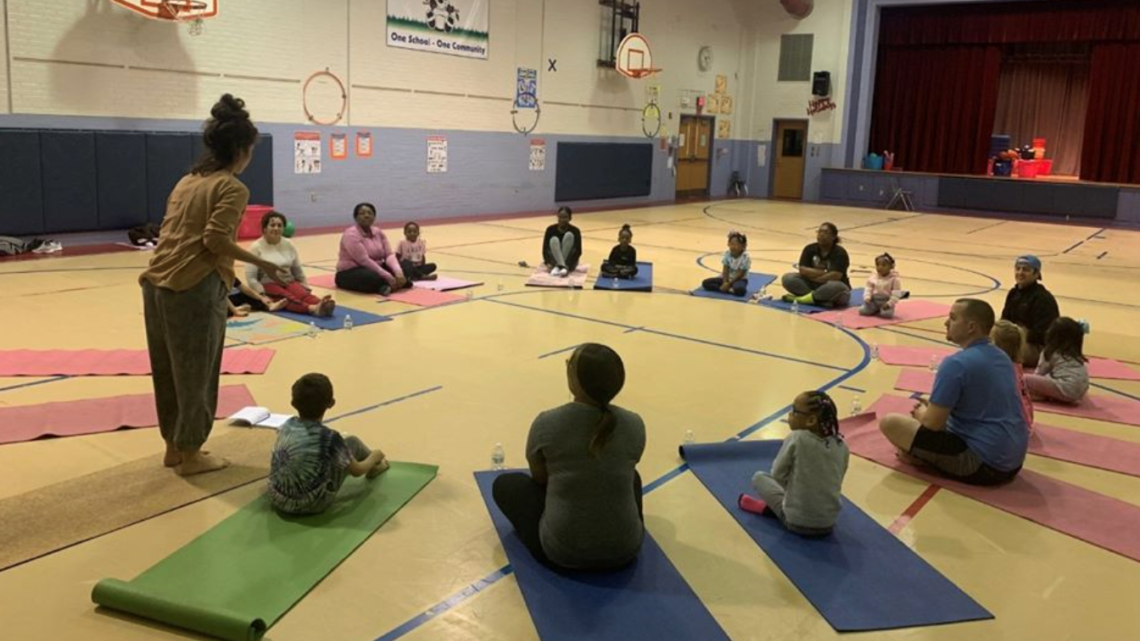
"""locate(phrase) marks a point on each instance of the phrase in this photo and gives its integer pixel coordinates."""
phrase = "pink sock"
(749, 504)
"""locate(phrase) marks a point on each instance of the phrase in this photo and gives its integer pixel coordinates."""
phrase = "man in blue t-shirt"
(973, 428)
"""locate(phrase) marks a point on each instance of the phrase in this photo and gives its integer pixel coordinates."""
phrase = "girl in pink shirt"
(1010, 338)
(412, 253)
(884, 289)
(366, 262)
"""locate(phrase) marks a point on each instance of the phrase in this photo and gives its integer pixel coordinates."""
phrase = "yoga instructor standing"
(186, 285)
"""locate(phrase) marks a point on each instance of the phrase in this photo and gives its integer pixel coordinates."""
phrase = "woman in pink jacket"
(884, 289)
(366, 262)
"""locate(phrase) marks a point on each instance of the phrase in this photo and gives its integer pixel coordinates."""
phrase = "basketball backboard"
(172, 9)
(634, 57)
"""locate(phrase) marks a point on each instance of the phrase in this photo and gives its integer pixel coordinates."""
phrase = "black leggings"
(523, 501)
(416, 272)
(364, 280)
(739, 288)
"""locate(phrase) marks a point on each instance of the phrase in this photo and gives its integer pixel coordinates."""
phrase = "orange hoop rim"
(637, 74)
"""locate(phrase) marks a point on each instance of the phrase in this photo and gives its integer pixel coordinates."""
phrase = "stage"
(1051, 196)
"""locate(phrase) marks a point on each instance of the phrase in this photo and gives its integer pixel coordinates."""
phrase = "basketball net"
(179, 11)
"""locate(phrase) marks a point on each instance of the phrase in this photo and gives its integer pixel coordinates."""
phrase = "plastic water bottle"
(795, 307)
(312, 330)
(498, 457)
(933, 363)
(856, 406)
(348, 321)
(874, 352)
(617, 283)
(689, 438)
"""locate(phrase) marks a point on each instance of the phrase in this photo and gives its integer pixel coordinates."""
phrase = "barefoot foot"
(200, 463)
(378, 469)
(172, 457)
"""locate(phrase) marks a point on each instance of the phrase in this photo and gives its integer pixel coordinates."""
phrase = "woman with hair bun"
(185, 287)
(580, 506)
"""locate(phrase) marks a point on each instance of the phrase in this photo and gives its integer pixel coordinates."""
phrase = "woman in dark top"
(562, 245)
(580, 506)
(822, 276)
(622, 262)
(1031, 306)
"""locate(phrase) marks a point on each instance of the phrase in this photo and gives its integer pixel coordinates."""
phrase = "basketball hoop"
(181, 10)
(528, 99)
(191, 12)
(324, 98)
(635, 57)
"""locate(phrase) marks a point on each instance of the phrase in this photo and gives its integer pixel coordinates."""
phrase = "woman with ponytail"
(186, 286)
(580, 506)
(804, 485)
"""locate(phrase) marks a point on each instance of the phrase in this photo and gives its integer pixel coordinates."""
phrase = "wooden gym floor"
(479, 371)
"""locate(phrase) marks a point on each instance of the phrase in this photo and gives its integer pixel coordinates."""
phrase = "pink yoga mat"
(1110, 409)
(114, 362)
(1066, 508)
(1056, 443)
(422, 297)
(542, 278)
(920, 357)
(908, 311)
(324, 281)
(90, 416)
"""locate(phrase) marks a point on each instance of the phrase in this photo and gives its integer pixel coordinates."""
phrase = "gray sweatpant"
(832, 292)
(874, 306)
(560, 248)
(772, 493)
(185, 333)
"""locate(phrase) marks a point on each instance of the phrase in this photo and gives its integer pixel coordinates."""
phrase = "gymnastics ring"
(515, 113)
(305, 98)
(649, 109)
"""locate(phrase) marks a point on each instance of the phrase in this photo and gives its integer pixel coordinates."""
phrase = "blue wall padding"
(21, 197)
(67, 159)
(168, 158)
(596, 170)
(120, 162)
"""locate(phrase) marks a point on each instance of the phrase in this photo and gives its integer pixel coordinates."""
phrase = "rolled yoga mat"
(236, 580)
(648, 599)
(859, 578)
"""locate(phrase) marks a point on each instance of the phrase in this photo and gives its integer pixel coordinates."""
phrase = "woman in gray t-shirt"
(580, 507)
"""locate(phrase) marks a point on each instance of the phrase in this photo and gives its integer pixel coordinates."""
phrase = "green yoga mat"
(236, 580)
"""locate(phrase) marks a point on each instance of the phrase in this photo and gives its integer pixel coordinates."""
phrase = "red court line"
(914, 508)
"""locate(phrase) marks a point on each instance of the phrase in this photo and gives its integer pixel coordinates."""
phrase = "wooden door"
(791, 146)
(693, 155)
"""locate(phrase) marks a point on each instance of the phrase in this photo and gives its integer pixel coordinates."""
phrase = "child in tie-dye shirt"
(311, 461)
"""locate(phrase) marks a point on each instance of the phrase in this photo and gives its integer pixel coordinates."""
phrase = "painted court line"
(46, 380)
(912, 511)
(386, 403)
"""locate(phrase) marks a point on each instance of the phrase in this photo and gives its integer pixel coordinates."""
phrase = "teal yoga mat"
(236, 580)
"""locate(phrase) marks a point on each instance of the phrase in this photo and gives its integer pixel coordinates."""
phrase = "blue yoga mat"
(756, 280)
(336, 321)
(647, 600)
(643, 282)
(856, 301)
(859, 578)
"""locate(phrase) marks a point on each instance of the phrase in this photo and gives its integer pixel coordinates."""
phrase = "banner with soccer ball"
(454, 27)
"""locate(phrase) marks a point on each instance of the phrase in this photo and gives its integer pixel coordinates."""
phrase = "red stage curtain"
(1011, 22)
(1111, 150)
(934, 107)
(1044, 93)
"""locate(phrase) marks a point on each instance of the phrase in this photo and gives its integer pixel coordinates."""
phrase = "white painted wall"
(91, 58)
(830, 23)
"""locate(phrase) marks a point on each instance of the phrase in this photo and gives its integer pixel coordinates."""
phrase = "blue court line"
(682, 337)
(1096, 233)
(852, 389)
(986, 227)
(559, 351)
(41, 382)
(1102, 254)
(385, 403)
(633, 329)
(480, 585)
(1114, 391)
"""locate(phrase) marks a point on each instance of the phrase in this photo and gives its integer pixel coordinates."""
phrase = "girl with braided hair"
(884, 289)
(735, 264)
(580, 506)
(804, 486)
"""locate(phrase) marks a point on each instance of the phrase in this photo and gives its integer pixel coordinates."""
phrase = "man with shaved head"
(973, 428)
